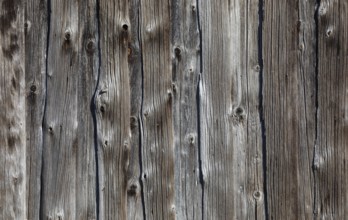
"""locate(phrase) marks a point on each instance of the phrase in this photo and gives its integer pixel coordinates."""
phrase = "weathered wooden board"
(289, 94)
(330, 160)
(157, 141)
(183, 109)
(113, 109)
(35, 29)
(13, 134)
(185, 76)
(69, 167)
(230, 135)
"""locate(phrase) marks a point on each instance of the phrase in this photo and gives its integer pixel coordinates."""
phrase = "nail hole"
(106, 143)
(102, 109)
(26, 25)
(177, 51)
(329, 33)
(239, 111)
(67, 35)
(257, 68)
(257, 195)
(90, 46)
(33, 88)
(132, 190)
(125, 27)
(50, 129)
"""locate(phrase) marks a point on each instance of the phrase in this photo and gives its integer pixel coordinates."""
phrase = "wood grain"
(331, 149)
(289, 93)
(231, 146)
(13, 134)
(69, 175)
(182, 109)
(157, 150)
(35, 29)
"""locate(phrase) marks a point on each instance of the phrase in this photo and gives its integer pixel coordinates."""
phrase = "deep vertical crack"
(315, 157)
(201, 177)
(141, 118)
(94, 116)
(261, 109)
(44, 110)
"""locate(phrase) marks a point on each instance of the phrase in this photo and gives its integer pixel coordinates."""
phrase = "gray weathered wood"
(13, 177)
(157, 148)
(231, 143)
(186, 69)
(331, 149)
(113, 109)
(289, 107)
(35, 28)
(154, 109)
(68, 178)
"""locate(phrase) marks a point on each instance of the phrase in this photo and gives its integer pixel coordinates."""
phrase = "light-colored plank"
(157, 147)
(69, 179)
(113, 109)
(331, 152)
(13, 178)
(231, 145)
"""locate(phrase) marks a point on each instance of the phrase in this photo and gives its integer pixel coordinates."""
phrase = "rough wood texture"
(68, 174)
(13, 134)
(289, 107)
(113, 109)
(157, 150)
(231, 149)
(182, 109)
(35, 28)
(186, 69)
(331, 150)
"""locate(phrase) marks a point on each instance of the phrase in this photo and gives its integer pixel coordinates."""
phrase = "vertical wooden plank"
(230, 125)
(186, 69)
(113, 109)
(35, 27)
(289, 107)
(68, 155)
(157, 125)
(13, 203)
(135, 202)
(331, 154)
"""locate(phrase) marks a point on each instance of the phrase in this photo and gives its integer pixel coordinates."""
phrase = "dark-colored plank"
(331, 152)
(289, 107)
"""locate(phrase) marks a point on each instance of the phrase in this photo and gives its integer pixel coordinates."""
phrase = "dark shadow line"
(261, 108)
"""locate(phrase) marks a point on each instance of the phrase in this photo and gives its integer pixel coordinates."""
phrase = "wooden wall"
(173, 109)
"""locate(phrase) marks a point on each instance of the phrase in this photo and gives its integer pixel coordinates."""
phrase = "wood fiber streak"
(13, 179)
(157, 122)
(331, 155)
(289, 94)
(35, 29)
(134, 184)
(186, 69)
(231, 145)
(113, 109)
(69, 175)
